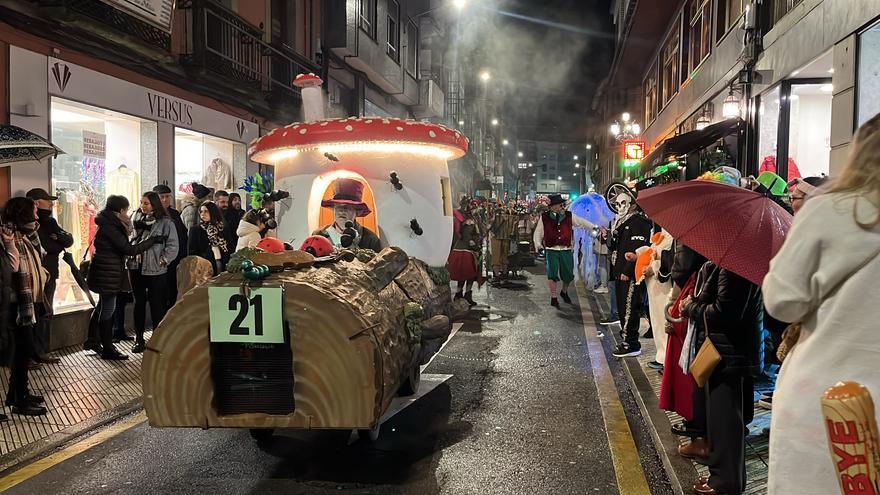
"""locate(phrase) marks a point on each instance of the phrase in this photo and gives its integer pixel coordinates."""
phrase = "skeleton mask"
(624, 204)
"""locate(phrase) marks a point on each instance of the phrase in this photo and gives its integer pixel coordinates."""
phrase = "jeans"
(103, 312)
(150, 289)
(602, 269)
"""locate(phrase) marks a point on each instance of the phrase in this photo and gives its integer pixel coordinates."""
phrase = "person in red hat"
(348, 205)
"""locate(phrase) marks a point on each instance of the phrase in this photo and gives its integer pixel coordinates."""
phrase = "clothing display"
(218, 175)
(126, 182)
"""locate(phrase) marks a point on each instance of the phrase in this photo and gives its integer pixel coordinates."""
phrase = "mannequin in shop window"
(218, 175)
(124, 181)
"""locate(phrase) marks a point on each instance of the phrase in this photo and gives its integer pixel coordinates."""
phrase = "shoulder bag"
(706, 360)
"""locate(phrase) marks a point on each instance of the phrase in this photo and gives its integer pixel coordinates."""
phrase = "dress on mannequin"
(126, 182)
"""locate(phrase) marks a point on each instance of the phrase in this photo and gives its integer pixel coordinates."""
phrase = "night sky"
(548, 58)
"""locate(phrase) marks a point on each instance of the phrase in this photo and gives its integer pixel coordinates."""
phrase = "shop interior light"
(71, 117)
(827, 88)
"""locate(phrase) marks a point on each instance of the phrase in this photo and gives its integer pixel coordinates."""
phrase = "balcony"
(218, 41)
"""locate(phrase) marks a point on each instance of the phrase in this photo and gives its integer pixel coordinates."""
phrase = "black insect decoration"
(416, 228)
(395, 181)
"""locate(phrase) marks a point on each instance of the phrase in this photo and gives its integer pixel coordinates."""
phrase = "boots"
(469, 297)
(139, 344)
(93, 341)
(109, 352)
(698, 448)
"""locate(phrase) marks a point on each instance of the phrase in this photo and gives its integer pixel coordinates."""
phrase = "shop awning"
(687, 143)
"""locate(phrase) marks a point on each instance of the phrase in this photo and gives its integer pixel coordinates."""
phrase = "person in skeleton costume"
(348, 205)
(630, 230)
(554, 233)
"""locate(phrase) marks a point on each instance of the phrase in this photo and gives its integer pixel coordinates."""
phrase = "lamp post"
(625, 128)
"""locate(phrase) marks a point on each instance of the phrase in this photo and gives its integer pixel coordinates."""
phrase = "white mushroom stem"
(313, 104)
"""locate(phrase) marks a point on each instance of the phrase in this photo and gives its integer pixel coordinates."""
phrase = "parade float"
(319, 339)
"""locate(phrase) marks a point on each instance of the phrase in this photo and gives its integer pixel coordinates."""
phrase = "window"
(699, 32)
(729, 12)
(651, 95)
(669, 73)
(283, 23)
(393, 38)
(412, 49)
(868, 86)
(779, 8)
(367, 17)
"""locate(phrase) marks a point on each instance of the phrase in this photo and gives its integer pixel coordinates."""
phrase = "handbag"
(706, 360)
(85, 262)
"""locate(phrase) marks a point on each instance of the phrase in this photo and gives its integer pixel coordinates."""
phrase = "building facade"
(554, 168)
(800, 73)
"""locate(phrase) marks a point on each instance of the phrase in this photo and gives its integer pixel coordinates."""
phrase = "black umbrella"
(19, 145)
(78, 276)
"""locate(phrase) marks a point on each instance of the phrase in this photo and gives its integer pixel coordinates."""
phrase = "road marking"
(627, 464)
(37, 467)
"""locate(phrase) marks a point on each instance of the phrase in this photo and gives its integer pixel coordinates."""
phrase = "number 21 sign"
(237, 318)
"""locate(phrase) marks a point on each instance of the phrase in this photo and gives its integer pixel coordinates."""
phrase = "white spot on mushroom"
(285, 134)
(400, 129)
(432, 134)
(303, 131)
(322, 124)
(349, 128)
(457, 135)
(369, 121)
(386, 121)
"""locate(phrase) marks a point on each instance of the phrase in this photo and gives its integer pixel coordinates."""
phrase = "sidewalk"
(82, 392)
(646, 382)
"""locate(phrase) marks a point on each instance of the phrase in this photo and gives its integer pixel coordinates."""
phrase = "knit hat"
(200, 191)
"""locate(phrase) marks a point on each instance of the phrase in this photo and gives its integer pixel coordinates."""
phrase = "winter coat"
(8, 309)
(231, 219)
(730, 310)
(629, 237)
(822, 278)
(189, 213)
(248, 235)
(200, 245)
(107, 272)
(181, 233)
(685, 263)
(156, 259)
(54, 247)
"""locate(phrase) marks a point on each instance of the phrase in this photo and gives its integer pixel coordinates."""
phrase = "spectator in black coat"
(729, 311)
(232, 217)
(54, 240)
(107, 273)
(207, 239)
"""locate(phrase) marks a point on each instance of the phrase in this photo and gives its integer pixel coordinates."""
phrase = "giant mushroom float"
(319, 343)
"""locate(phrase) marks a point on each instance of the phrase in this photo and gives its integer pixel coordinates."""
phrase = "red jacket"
(557, 234)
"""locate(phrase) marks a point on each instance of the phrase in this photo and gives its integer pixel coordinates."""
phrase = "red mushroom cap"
(364, 131)
(307, 81)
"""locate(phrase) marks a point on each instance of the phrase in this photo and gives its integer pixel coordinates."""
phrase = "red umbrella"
(738, 229)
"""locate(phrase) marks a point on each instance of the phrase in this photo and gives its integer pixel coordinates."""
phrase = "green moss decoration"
(414, 315)
(365, 255)
(234, 265)
(439, 275)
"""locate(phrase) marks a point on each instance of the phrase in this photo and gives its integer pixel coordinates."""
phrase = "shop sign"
(254, 318)
(84, 85)
(633, 153)
(155, 12)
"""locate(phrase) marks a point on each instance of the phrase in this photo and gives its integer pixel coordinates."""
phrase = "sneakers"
(610, 321)
(565, 297)
(766, 402)
(601, 290)
(654, 365)
(625, 350)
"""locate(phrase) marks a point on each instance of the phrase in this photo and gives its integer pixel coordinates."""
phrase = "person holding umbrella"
(555, 233)
(825, 277)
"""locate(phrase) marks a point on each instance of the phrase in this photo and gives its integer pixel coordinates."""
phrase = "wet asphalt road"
(519, 416)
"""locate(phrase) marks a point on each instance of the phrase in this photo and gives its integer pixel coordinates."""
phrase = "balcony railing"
(220, 41)
(107, 15)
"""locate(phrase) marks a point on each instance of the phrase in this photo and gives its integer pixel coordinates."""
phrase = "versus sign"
(170, 110)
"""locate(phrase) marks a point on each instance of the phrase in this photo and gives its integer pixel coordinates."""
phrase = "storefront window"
(205, 159)
(869, 74)
(768, 129)
(809, 135)
(107, 153)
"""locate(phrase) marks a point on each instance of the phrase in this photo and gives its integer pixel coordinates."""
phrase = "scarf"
(24, 283)
(215, 235)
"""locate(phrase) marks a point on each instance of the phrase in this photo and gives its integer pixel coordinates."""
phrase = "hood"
(245, 228)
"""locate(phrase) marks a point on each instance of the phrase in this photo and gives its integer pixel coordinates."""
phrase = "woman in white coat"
(826, 277)
(249, 229)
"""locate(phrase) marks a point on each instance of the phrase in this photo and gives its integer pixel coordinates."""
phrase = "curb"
(665, 443)
(18, 458)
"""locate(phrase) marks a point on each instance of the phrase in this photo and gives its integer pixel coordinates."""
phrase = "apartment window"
(670, 58)
(729, 12)
(651, 95)
(412, 49)
(779, 8)
(367, 15)
(393, 43)
(699, 32)
(283, 23)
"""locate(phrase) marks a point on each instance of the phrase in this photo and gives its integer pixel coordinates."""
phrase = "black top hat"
(556, 199)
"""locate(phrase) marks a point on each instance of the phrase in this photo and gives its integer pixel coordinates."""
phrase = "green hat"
(774, 183)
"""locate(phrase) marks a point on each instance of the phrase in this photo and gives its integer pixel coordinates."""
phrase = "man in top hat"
(554, 233)
(348, 206)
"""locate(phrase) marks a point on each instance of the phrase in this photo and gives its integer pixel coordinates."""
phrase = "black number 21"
(240, 303)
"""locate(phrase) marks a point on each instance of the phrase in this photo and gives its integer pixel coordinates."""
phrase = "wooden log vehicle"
(347, 336)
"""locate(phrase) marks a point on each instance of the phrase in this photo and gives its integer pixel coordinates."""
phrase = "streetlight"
(519, 154)
(577, 165)
(505, 142)
(494, 121)
(485, 76)
(459, 4)
(589, 146)
(627, 130)
(575, 157)
(460, 122)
